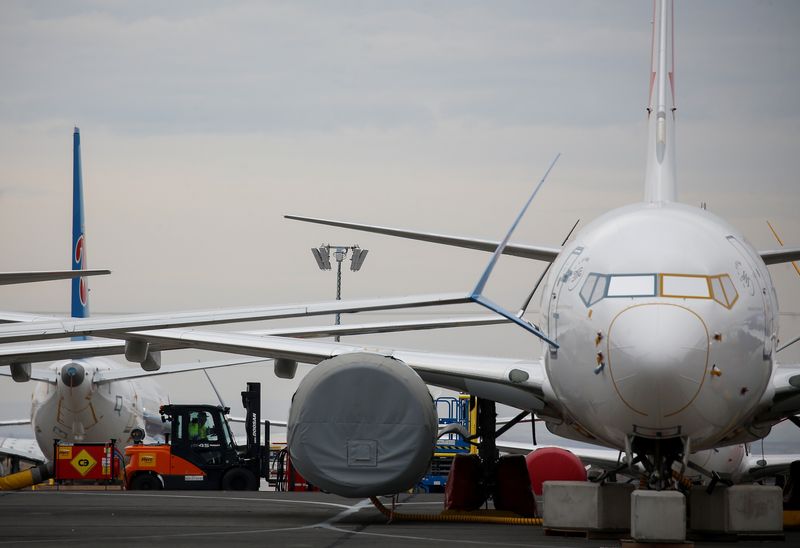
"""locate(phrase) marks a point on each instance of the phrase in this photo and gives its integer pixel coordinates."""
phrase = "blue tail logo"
(80, 288)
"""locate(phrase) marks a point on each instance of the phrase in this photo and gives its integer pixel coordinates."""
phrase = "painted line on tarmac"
(246, 499)
(327, 525)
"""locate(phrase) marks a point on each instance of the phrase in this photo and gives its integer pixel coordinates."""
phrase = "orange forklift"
(200, 452)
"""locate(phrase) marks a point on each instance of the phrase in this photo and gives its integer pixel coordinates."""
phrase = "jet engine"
(553, 464)
(362, 424)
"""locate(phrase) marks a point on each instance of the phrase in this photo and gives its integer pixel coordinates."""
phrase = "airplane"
(658, 353)
(89, 398)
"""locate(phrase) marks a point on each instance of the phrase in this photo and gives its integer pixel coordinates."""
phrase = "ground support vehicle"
(451, 410)
(200, 452)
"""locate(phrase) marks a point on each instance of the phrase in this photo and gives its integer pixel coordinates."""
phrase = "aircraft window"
(588, 288)
(693, 287)
(731, 295)
(687, 286)
(599, 289)
(594, 288)
(717, 291)
(632, 285)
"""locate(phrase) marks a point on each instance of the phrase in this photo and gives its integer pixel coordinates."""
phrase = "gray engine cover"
(361, 425)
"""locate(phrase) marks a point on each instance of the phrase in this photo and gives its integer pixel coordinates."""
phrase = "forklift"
(200, 452)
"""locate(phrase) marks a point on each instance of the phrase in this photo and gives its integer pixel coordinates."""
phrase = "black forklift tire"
(239, 479)
(146, 482)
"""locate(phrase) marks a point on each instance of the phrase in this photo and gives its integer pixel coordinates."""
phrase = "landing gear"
(475, 478)
(657, 456)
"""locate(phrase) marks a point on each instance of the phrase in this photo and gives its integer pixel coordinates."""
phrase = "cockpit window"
(724, 291)
(594, 288)
(598, 286)
(682, 285)
(632, 285)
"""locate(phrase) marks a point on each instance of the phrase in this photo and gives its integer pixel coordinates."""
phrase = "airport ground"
(103, 518)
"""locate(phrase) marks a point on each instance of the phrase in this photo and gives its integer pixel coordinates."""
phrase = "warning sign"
(83, 463)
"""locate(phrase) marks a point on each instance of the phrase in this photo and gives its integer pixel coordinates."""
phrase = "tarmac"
(203, 518)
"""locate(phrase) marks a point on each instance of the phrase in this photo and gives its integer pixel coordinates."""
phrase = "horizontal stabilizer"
(24, 448)
(541, 253)
(47, 375)
(8, 278)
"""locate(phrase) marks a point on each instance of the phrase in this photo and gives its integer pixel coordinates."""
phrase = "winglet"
(80, 287)
(477, 295)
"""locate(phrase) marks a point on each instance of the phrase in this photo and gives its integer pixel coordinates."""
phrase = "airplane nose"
(72, 374)
(658, 358)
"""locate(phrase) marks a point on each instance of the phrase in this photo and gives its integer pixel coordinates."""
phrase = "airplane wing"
(782, 399)
(519, 383)
(783, 255)
(541, 253)
(122, 326)
(281, 424)
(24, 448)
(757, 466)
(102, 377)
(15, 422)
(379, 327)
(8, 278)
(15, 317)
(50, 351)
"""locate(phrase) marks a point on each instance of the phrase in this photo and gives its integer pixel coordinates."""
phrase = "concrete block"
(586, 506)
(658, 516)
(754, 509)
(571, 505)
(615, 506)
(707, 512)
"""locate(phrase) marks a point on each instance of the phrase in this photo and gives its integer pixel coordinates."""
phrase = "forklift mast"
(251, 401)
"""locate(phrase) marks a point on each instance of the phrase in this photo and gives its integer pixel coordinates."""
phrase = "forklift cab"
(201, 453)
(201, 436)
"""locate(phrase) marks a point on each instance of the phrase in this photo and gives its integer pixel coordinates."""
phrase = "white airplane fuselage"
(77, 409)
(666, 320)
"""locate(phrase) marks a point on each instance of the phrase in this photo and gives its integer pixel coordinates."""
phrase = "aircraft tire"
(146, 482)
(239, 479)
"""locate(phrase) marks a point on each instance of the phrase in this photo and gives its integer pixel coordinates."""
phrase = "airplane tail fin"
(80, 287)
(660, 181)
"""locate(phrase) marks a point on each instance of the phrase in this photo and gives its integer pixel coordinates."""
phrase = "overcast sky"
(203, 123)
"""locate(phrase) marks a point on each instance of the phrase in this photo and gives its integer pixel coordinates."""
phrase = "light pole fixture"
(322, 255)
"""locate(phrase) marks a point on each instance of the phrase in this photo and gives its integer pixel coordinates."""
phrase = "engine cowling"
(553, 464)
(362, 424)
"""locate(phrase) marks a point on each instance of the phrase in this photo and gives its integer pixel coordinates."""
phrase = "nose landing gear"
(657, 456)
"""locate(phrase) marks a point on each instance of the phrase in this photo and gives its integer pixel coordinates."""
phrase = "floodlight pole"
(339, 256)
(322, 256)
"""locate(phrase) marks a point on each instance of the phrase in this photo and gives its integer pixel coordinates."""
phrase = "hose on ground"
(458, 517)
(26, 478)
